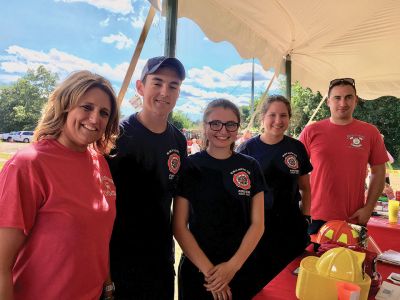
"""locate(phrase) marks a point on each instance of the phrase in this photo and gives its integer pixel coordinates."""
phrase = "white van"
(23, 136)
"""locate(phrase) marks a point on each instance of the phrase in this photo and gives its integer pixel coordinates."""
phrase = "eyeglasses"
(217, 125)
(339, 81)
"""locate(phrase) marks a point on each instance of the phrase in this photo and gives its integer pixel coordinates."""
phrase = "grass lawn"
(5, 156)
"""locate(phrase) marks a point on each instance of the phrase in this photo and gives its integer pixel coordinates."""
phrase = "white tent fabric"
(325, 39)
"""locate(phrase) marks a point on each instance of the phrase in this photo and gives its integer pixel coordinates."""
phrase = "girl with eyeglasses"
(218, 213)
(285, 165)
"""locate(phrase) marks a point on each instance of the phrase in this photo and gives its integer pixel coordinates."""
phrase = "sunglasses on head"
(339, 81)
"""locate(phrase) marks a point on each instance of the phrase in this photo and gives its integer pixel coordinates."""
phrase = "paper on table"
(390, 256)
(388, 291)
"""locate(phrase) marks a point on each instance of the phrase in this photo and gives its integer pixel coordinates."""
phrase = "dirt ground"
(8, 149)
(11, 148)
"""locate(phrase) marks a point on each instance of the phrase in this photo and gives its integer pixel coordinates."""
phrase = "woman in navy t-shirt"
(218, 213)
(285, 166)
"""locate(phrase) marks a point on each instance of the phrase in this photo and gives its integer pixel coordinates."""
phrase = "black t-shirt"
(220, 194)
(282, 165)
(145, 167)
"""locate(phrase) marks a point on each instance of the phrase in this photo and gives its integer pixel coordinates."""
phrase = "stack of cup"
(348, 291)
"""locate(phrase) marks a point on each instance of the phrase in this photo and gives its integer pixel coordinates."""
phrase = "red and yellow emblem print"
(291, 162)
(242, 180)
(174, 163)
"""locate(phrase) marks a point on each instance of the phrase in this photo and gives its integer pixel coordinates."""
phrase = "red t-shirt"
(64, 201)
(339, 155)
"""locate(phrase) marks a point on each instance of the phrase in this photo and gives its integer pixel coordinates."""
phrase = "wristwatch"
(110, 287)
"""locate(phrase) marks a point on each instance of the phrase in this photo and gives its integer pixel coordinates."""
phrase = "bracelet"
(109, 287)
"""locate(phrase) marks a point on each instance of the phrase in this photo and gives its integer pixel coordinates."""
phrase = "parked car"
(23, 136)
(9, 137)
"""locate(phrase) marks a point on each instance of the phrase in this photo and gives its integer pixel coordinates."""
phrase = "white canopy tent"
(325, 39)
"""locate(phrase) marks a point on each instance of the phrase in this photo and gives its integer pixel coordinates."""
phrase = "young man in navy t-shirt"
(145, 168)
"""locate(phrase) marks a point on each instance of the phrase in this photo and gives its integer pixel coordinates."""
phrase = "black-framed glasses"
(217, 125)
(339, 81)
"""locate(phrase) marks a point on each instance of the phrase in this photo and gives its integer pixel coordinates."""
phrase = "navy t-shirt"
(285, 235)
(282, 165)
(220, 194)
(145, 167)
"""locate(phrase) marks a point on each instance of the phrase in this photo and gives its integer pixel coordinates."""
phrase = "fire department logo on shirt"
(291, 161)
(356, 141)
(174, 163)
(242, 180)
(108, 186)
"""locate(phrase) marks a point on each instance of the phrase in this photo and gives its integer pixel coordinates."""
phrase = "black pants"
(144, 282)
(190, 283)
(282, 242)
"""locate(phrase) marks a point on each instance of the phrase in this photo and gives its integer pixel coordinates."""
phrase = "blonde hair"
(65, 97)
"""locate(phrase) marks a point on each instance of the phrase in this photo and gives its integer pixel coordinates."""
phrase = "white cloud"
(120, 39)
(196, 99)
(116, 6)
(138, 21)
(123, 19)
(21, 59)
(234, 76)
(5, 78)
(201, 86)
(105, 22)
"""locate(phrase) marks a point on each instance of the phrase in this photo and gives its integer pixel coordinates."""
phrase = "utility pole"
(252, 89)
(288, 65)
(171, 27)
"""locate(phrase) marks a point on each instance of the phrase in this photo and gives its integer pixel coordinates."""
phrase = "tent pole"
(288, 68)
(171, 27)
(136, 54)
(263, 96)
(252, 89)
(317, 109)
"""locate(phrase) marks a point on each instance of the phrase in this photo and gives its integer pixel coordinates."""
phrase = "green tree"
(304, 104)
(21, 103)
(384, 113)
(180, 120)
(245, 115)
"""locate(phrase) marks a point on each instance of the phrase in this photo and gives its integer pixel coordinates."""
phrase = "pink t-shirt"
(64, 201)
(339, 155)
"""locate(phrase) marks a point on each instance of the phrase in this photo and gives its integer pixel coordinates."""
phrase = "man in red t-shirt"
(340, 148)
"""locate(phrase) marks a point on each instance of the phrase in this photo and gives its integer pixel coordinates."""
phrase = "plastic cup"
(393, 211)
(348, 291)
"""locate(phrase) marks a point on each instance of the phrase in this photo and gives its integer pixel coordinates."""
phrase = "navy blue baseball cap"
(154, 63)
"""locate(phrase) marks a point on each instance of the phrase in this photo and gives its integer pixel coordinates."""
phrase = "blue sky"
(101, 35)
